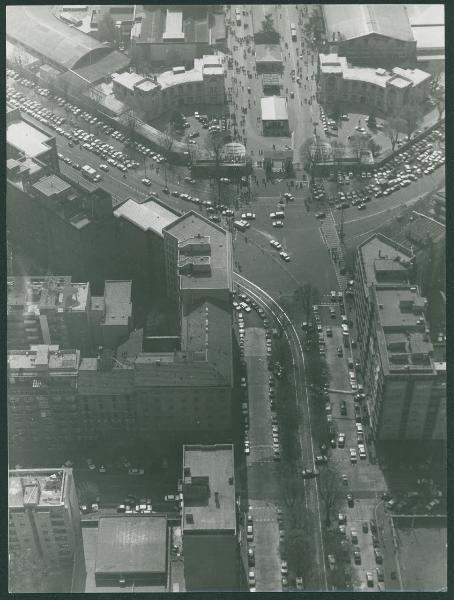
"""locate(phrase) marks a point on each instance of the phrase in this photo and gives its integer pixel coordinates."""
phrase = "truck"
(90, 173)
(293, 31)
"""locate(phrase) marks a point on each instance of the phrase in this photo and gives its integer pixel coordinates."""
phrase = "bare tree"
(305, 297)
(330, 490)
(312, 151)
(268, 23)
(392, 129)
(410, 116)
(439, 99)
(107, 29)
(359, 142)
(214, 144)
(130, 126)
(338, 148)
(168, 137)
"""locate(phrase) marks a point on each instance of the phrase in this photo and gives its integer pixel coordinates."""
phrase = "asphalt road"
(304, 421)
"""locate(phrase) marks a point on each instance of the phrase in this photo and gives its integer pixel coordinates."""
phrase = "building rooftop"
(426, 14)
(274, 108)
(132, 544)
(174, 25)
(149, 216)
(26, 138)
(128, 80)
(210, 64)
(219, 276)
(169, 78)
(268, 53)
(51, 185)
(349, 21)
(47, 292)
(36, 28)
(208, 489)
(43, 358)
(401, 78)
(429, 38)
(118, 305)
(398, 308)
(380, 247)
(206, 328)
(36, 487)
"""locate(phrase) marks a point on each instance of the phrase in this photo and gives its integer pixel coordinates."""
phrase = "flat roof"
(51, 185)
(192, 225)
(429, 37)
(377, 247)
(118, 305)
(332, 63)
(132, 544)
(38, 487)
(174, 25)
(47, 292)
(390, 311)
(27, 138)
(274, 108)
(268, 53)
(216, 463)
(205, 328)
(148, 216)
(128, 80)
(41, 357)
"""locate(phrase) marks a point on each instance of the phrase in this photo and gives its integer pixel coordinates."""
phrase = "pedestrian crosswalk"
(330, 236)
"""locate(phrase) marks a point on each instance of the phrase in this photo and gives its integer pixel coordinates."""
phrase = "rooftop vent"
(230, 480)
(187, 472)
(189, 518)
(216, 499)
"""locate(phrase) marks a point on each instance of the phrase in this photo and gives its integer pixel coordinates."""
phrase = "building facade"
(44, 518)
(209, 520)
(275, 116)
(381, 90)
(374, 35)
(405, 387)
(204, 84)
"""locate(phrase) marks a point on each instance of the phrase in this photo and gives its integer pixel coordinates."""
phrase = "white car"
(248, 216)
(278, 223)
(284, 567)
(146, 182)
(91, 464)
(284, 256)
(362, 450)
(136, 472)
(251, 578)
(276, 244)
(104, 167)
(353, 455)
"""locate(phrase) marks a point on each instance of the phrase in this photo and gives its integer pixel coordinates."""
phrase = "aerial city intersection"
(226, 310)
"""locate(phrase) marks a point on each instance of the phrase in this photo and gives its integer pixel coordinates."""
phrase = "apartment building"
(44, 520)
(405, 387)
(48, 310)
(208, 523)
(370, 35)
(203, 84)
(386, 91)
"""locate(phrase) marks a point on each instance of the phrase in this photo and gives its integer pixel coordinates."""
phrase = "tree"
(372, 121)
(410, 116)
(359, 142)
(268, 23)
(439, 99)
(87, 492)
(107, 29)
(168, 137)
(214, 144)
(330, 490)
(392, 129)
(130, 125)
(374, 147)
(312, 151)
(338, 149)
(305, 297)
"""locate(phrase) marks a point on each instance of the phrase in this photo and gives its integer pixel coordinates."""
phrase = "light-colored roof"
(426, 14)
(128, 80)
(27, 138)
(193, 224)
(38, 30)
(132, 544)
(430, 37)
(169, 78)
(117, 298)
(50, 185)
(274, 108)
(332, 63)
(217, 464)
(40, 487)
(349, 21)
(43, 355)
(268, 53)
(376, 247)
(149, 216)
(174, 25)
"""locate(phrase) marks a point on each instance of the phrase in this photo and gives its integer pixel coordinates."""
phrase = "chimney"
(105, 359)
(216, 499)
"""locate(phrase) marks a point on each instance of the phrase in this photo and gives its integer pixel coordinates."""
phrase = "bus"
(90, 173)
(241, 225)
(238, 16)
(293, 31)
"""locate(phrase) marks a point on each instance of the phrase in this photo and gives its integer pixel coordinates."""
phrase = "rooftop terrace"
(379, 247)
(36, 487)
(39, 294)
(208, 488)
(41, 358)
(118, 305)
(149, 216)
(26, 138)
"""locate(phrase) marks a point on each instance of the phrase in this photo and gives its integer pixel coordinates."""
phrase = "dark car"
(343, 408)
(373, 526)
(350, 500)
(365, 527)
(357, 555)
(378, 556)
(380, 574)
(320, 215)
(375, 541)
